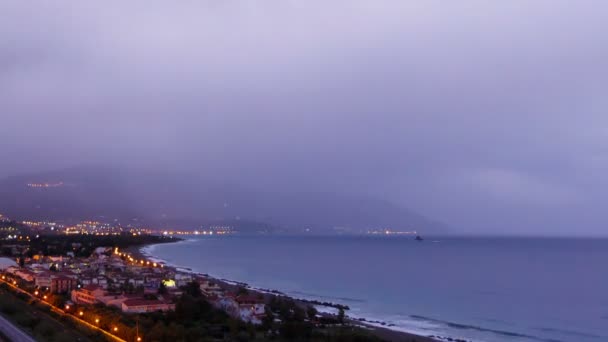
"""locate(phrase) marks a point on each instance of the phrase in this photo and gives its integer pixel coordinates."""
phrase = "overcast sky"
(491, 116)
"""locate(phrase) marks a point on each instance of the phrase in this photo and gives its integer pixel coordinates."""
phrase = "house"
(62, 284)
(101, 281)
(182, 279)
(25, 274)
(86, 281)
(210, 289)
(43, 279)
(247, 308)
(12, 269)
(113, 300)
(250, 309)
(87, 295)
(145, 305)
(136, 281)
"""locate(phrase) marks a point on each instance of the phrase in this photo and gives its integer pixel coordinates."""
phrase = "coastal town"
(114, 278)
(99, 280)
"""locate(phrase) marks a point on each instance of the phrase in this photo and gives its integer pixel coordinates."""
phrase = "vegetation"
(82, 245)
(38, 321)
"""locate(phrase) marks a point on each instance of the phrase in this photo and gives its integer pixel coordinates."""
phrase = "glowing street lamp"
(96, 320)
(36, 293)
(67, 307)
(115, 329)
(44, 297)
(81, 313)
(138, 339)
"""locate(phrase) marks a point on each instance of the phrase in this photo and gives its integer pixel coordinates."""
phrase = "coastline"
(381, 329)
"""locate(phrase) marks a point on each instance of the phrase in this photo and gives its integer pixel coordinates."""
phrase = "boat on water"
(419, 238)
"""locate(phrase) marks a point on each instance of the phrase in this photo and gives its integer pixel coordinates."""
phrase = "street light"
(81, 313)
(96, 320)
(67, 307)
(44, 297)
(115, 329)
(36, 292)
(138, 339)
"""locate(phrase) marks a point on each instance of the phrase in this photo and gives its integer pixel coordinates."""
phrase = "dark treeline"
(82, 245)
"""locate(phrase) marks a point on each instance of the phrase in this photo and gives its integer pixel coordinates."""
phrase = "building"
(210, 289)
(87, 295)
(43, 280)
(145, 305)
(182, 279)
(62, 284)
(250, 309)
(247, 308)
(25, 274)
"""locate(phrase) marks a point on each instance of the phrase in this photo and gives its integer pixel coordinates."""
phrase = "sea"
(473, 288)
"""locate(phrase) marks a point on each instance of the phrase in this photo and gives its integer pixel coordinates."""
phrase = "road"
(62, 313)
(12, 332)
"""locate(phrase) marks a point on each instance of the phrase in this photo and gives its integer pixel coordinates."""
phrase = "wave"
(573, 333)
(318, 296)
(481, 329)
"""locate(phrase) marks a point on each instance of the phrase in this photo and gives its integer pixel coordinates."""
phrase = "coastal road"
(13, 333)
(57, 310)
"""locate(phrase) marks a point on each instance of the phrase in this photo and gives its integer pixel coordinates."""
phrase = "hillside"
(157, 199)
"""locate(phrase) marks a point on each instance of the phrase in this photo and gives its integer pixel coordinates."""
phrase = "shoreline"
(379, 328)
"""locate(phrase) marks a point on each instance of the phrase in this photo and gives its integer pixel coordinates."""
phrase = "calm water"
(476, 288)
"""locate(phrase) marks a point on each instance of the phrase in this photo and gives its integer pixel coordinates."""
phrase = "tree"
(298, 313)
(193, 289)
(311, 312)
(268, 318)
(187, 308)
(341, 316)
(162, 289)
